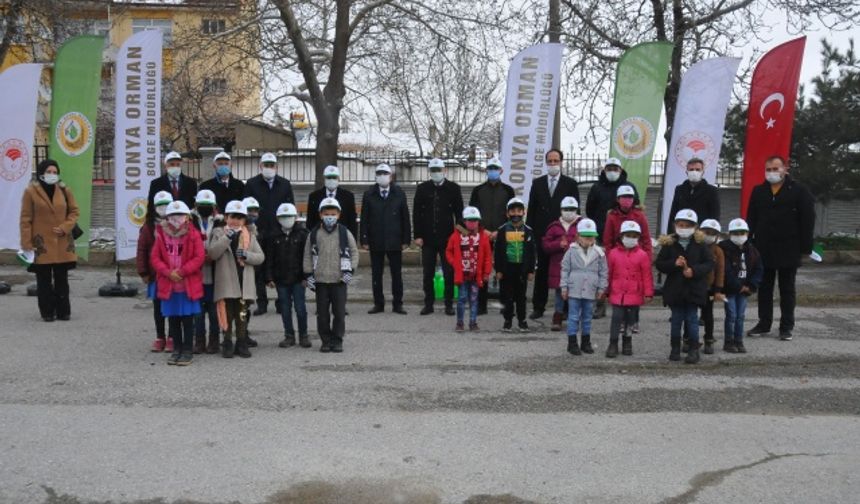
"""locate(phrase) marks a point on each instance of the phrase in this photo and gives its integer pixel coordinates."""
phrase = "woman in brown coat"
(48, 214)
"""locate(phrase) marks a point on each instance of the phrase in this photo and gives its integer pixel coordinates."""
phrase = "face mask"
(685, 232)
(493, 175)
(205, 211)
(568, 215)
(174, 171)
(177, 220)
(268, 173)
(625, 203)
(287, 222)
(553, 170)
(50, 178)
(472, 225)
(773, 177)
(710, 240)
(612, 176)
(738, 240)
(330, 184)
(222, 170)
(629, 242)
(329, 220)
(383, 180)
(437, 177)
(516, 218)
(694, 176)
(252, 218)
(161, 210)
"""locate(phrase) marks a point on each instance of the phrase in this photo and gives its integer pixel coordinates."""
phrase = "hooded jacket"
(744, 259)
(677, 289)
(551, 243)
(630, 278)
(193, 256)
(454, 255)
(583, 272)
(227, 284)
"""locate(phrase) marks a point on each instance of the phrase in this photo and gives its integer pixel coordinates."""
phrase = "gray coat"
(584, 273)
(328, 266)
(226, 275)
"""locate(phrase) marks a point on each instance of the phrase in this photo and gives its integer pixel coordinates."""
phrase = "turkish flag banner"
(771, 112)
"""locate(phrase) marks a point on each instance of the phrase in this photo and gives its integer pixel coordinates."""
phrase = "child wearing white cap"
(583, 278)
(471, 258)
(743, 276)
(514, 260)
(559, 236)
(155, 214)
(630, 286)
(711, 229)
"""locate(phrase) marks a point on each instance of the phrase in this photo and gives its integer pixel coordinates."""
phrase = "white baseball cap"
(384, 168)
(171, 156)
(687, 215)
(515, 201)
(205, 197)
(162, 198)
(329, 203)
(612, 162)
(177, 207)
(738, 225)
(235, 207)
(711, 224)
(436, 163)
(471, 213)
(222, 155)
(625, 190)
(586, 227)
(250, 203)
(268, 158)
(569, 202)
(630, 226)
(494, 162)
(331, 171)
(286, 209)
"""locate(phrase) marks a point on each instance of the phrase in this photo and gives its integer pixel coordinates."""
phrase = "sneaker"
(523, 326)
(740, 348)
(536, 314)
(758, 330)
(304, 341)
(252, 343)
(158, 345)
(473, 326)
(168, 346)
(635, 329)
(174, 358)
(288, 341)
(185, 359)
(507, 326)
(784, 335)
(459, 327)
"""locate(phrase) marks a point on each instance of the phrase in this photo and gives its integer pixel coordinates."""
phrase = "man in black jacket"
(330, 189)
(386, 232)
(225, 186)
(544, 203)
(603, 194)
(182, 187)
(437, 207)
(696, 194)
(781, 216)
(270, 190)
(491, 198)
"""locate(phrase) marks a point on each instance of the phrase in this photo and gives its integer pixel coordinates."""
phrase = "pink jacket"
(551, 244)
(193, 255)
(630, 279)
(612, 232)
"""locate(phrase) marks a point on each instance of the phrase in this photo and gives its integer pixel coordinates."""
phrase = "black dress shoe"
(63, 317)
(427, 310)
(375, 309)
(758, 330)
(399, 310)
(784, 335)
(449, 310)
(325, 348)
(337, 348)
(49, 318)
(252, 342)
(260, 311)
(536, 315)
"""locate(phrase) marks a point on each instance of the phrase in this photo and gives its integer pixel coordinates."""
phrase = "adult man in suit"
(545, 197)
(696, 194)
(225, 186)
(270, 190)
(182, 187)
(331, 189)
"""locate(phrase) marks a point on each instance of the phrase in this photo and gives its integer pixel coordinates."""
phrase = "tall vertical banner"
(137, 140)
(530, 101)
(640, 83)
(770, 118)
(700, 119)
(19, 101)
(74, 104)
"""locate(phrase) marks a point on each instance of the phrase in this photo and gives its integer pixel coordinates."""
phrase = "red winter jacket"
(551, 243)
(455, 257)
(145, 241)
(612, 232)
(193, 255)
(630, 279)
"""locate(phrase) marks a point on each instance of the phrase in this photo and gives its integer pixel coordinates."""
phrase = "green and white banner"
(640, 83)
(74, 103)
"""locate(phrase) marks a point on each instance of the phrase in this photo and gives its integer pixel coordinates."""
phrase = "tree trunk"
(328, 133)
(11, 16)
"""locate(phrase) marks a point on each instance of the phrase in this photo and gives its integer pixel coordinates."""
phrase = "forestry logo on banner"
(74, 133)
(136, 211)
(695, 144)
(634, 137)
(14, 159)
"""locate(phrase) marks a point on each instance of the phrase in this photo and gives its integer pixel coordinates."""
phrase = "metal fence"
(299, 166)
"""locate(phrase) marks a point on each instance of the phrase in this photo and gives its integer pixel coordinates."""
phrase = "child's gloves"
(347, 277)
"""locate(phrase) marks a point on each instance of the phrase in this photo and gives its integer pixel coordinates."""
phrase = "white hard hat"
(384, 168)
(331, 171)
(687, 215)
(177, 207)
(268, 158)
(235, 207)
(738, 225)
(630, 226)
(612, 162)
(162, 198)
(625, 190)
(711, 224)
(222, 155)
(471, 213)
(436, 163)
(586, 227)
(329, 203)
(494, 162)
(250, 203)
(205, 197)
(286, 209)
(515, 201)
(171, 156)
(569, 202)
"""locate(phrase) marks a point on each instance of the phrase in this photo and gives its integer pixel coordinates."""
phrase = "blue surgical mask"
(329, 220)
(222, 170)
(494, 175)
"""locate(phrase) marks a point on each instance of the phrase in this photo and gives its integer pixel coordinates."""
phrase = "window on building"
(165, 25)
(213, 26)
(215, 86)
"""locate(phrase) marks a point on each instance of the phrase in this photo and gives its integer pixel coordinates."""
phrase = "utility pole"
(555, 36)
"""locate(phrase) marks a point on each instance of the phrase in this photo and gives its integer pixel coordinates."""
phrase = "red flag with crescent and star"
(771, 112)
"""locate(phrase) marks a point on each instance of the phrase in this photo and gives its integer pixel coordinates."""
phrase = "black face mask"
(205, 211)
(516, 218)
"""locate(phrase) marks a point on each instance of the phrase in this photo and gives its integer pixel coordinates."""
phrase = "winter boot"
(227, 347)
(675, 354)
(572, 347)
(214, 345)
(242, 348)
(626, 345)
(199, 344)
(556, 322)
(693, 355)
(304, 341)
(612, 349)
(709, 347)
(599, 309)
(685, 346)
(586, 344)
(288, 341)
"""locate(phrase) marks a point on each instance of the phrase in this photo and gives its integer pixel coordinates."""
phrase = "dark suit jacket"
(701, 198)
(385, 225)
(234, 190)
(269, 200)
(543, 209)
(347, 208)
(187, 189)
